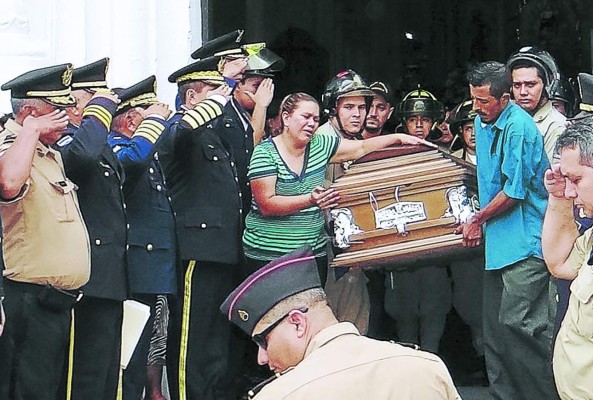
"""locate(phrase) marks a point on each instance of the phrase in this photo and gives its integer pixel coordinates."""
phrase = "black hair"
(492, 73)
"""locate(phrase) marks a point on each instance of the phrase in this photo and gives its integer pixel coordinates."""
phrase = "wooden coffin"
(400, 207)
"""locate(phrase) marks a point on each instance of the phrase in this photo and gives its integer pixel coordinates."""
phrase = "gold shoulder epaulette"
(203, 113)
(150, 129)
(99, 112)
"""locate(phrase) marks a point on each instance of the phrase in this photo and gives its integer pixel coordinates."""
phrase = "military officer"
(206, 198)
(151, 251)
(45, 241)
(92, 165)
(284, 309)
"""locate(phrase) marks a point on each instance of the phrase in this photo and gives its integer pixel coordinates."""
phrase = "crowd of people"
(108, 195)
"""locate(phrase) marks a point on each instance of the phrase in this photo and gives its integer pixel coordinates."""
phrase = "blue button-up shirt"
(511, 158)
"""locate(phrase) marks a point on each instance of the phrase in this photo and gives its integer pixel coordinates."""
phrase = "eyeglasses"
(261, 339)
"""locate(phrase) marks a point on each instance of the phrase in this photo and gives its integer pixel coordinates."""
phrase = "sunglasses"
(261, 339)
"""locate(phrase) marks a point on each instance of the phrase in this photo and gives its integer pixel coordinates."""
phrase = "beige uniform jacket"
(573, 351)
(551, 124)
(45, 238)
(341, 364)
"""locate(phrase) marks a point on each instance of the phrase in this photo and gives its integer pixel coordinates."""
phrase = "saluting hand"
(324, 198)
(107, 94)
(223, 90)
(161, 109)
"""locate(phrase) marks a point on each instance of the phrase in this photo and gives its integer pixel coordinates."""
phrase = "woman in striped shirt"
(287, 174)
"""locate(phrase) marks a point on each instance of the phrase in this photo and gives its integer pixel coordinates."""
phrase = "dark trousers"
(199, 342)
(134, 379)
(466, 277)
(419, 299)
(518, 323)
(33, 346)
(97, 349)
(379, 321)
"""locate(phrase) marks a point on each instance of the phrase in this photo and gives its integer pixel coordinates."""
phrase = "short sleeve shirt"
(45, 239)
(266, 238)
(511, 159)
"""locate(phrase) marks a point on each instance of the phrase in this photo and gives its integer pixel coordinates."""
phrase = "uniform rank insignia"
(64, 141)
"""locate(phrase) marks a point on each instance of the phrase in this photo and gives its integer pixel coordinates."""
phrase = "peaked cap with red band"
(286, 276)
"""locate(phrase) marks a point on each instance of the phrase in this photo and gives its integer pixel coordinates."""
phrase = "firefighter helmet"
(420, 102)
(540, 59)
(462, 113)
(345, 84)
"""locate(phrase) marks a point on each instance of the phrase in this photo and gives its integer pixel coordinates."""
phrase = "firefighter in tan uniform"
(284, 309)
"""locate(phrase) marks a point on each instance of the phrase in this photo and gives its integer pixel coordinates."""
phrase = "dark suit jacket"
(205, 193)
(91, 164)
(152, 243)
(231, 130)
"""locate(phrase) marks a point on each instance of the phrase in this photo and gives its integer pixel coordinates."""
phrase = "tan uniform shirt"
(471, 158)
(551, 124)
(45, 238)
(341, 364)
(573, 351)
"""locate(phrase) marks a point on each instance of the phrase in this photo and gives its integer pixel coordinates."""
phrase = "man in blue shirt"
(511, 162)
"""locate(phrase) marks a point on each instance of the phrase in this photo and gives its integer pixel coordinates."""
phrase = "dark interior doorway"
(404, 42)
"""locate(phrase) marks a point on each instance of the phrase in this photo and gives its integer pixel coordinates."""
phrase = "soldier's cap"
(225, 45)
(383, 89)
(288, 275)
(141, 94)
(91, 76)
(585, 94)
(205, 70)
(51, 84)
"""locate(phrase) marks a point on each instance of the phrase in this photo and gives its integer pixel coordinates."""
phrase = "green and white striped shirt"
(267, 238)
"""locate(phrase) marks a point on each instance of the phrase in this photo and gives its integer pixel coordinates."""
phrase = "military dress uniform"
(96, 338)
(151, 249)
(46, 254)
(235, 129)
(206, 198)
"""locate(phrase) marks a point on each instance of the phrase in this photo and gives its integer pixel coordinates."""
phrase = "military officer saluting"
(139, 121)
(205, 194)
(45, 241)
(283, 308)
(91, 164)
